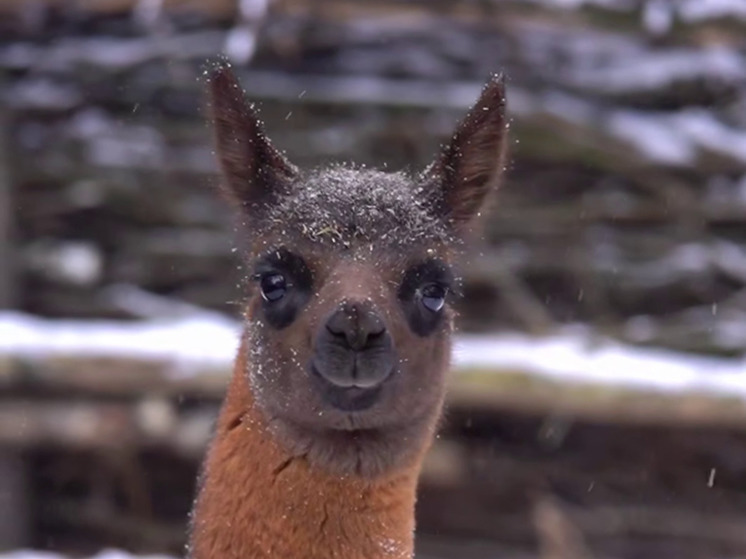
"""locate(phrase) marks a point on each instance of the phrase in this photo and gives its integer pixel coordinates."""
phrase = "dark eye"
(433, 296)
(273, 287)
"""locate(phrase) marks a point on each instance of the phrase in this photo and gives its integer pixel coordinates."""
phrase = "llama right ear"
(253, 170)
(469, 167)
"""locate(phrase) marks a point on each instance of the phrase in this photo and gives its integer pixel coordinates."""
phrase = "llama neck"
(258, 501)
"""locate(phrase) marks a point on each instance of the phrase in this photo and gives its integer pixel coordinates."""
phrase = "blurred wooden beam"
(154, 420)
(213, 8)
(15, 501)
(7, 268)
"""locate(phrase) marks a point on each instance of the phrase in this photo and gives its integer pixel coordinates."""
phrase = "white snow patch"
(652, 138)
(677, 138)
(240, 44)
(573, 354)
(641, 69)
(42, 93)
(657, 17)
(568, 107)
(205, 338)
(621, 5)
(144, 304)
(577, 356)
(29, 554)
(703, 129)
(148, 12)
(689, 10)
(701, 10)
(741, 189)
(672, 138)
(730, 329)
(253, 10)
(74, 262)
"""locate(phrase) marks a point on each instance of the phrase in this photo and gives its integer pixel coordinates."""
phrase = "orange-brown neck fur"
(258, 501)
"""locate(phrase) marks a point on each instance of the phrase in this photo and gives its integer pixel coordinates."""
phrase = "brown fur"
(259, 501)
(307, 460)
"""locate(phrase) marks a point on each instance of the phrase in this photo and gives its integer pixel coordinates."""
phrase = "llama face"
(349, 315)
(349, 328)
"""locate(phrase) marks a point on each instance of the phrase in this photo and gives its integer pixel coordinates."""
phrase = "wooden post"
(14, 501)
(7, 267)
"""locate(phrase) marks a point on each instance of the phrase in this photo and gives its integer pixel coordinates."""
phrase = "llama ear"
(469, 167)
(253, 170)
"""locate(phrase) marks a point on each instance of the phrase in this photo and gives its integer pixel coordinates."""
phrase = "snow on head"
(343, 205)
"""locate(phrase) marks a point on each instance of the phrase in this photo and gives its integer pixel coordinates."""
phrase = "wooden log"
(143, 533)
(521, 391)
(111, 376)
(103, 426)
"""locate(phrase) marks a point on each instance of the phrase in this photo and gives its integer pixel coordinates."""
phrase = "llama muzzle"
(354, 356)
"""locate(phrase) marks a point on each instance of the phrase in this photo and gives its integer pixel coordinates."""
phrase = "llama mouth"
(347, 399)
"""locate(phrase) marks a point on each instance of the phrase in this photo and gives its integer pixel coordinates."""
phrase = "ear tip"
(493, 97)
(495, 87)
(225, 90)
(222, 77)
(498, 77)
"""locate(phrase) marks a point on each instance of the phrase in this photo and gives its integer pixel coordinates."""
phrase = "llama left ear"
(469, 167)
(253, 171)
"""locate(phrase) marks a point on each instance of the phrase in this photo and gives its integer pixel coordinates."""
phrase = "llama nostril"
(377, 333)
(340, 323)
(341, 328)
(356, 353)
(356, 326)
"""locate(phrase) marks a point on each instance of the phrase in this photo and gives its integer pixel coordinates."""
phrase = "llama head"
(349, 314)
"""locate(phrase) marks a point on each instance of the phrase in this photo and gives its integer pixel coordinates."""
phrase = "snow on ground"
(700, 10)
(576, 356)
(204, 338)
(688, 10)
(634, 68)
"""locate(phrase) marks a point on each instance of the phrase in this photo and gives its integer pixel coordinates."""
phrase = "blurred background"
(597, 403)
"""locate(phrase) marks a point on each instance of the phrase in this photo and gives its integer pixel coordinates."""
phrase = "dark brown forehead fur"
(344, 207)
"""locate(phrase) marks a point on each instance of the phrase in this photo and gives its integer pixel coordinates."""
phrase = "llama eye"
(273, 287)
(433, 297)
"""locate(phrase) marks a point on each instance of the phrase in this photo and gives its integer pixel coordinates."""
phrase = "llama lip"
(348, 399)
